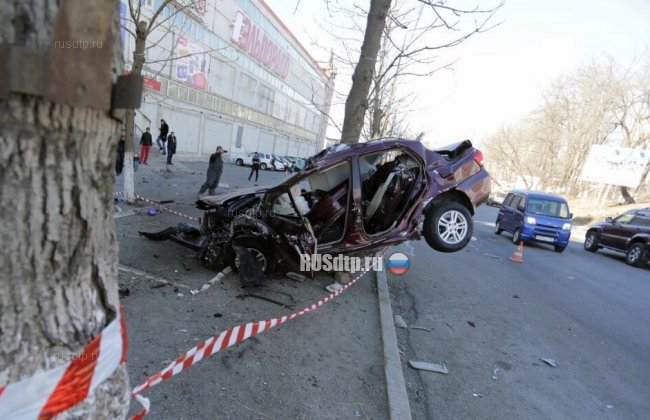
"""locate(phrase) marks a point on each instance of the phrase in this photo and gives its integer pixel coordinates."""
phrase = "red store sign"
(152, 84)
(252, 39)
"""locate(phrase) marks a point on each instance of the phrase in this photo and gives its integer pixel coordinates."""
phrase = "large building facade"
(229, 73)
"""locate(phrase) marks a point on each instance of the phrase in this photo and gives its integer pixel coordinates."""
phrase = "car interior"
(323, 198)
(388, 180)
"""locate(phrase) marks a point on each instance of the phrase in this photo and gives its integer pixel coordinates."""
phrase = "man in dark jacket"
(255, 168)
(162, 137)
(145, 145)
(171, 147)
(214, 173)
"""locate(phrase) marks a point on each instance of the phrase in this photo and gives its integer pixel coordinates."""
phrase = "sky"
(500, 76)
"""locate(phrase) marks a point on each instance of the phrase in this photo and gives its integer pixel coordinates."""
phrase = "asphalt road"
(588, 312)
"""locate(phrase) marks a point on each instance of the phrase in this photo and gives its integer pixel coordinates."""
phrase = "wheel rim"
(590, 241)
(634, 254)
(259, 257)
(452, 227)
(515, 237)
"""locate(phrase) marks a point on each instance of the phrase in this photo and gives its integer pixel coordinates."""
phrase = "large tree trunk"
(357, 101)
(58, 259)
(138, 63)
(627, 197)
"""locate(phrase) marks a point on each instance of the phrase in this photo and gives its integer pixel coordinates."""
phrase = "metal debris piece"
(194, 291)
(399, 322)
(296, 276)
(515, 296)
(334, 287)
(496, 257)
(549, 362)
(432, 367)
(416, 327)
(158, 286)
(471, 324)
(494, 375)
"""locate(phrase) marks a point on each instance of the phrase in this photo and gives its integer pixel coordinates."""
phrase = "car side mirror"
(570, 215)
(609, 220)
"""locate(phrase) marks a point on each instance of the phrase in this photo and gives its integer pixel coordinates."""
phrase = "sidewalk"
(327, 364)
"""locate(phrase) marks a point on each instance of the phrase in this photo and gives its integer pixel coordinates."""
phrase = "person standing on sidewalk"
(146, 142)
(215, 167)
(255, 168)
(162, 137)
(171, 147)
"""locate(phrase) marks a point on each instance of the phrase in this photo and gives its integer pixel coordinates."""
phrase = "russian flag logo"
(398, 264)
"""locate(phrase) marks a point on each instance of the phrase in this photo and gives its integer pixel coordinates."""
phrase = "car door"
(617, 233)
(518, 212)
(504, 212)
(510, 213)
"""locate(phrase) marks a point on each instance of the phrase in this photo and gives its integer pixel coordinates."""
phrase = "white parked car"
(247, 160)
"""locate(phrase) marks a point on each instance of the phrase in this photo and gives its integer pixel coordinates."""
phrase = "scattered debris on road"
(471, 324)
(399, 322)
(496, 257)
(296, 276)
(416, 327)
(515, 296)
(333, 287)
(549, 362)
(432, 367)
(123, 291)
(494, 374)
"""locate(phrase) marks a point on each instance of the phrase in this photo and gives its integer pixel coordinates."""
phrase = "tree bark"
(357, 101)
(138, 63)
(627, 197)
(58, 260)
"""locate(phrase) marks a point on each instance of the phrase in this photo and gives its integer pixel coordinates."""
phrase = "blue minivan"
(535, 216)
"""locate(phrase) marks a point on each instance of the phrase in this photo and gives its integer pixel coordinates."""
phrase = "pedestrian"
(255, 168)
(215, 167)
(162, 137)
(121, 145)
(171, 147)
(146, 142)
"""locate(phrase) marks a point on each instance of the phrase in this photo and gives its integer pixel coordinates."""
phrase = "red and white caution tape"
(158, 206)
(49, 393)
(222, 341)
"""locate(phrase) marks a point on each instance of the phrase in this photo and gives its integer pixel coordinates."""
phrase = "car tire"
(448, 227)
(239, 162)
(516, 236)
(559, 248)
(259, 250)
(635, 255)
(591, 242)
(263, 166)
(497, 227)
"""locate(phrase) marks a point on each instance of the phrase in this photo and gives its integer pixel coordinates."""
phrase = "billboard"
(615, 165)
(191, 63)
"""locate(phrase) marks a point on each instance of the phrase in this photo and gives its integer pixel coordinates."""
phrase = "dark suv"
(629, 233)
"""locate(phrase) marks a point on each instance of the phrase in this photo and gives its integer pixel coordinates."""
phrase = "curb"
(398, 401)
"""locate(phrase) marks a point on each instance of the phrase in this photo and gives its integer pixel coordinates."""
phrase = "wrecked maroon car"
(347, 199)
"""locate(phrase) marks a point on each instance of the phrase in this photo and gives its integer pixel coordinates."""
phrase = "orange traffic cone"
(518, 256)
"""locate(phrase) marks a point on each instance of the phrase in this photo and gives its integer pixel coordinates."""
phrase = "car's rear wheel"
(516, 237)
(497, 227)
(239, 162)
(448, 227)
(559, 248)
(259, 252)
(263, 166)
(591, 242)
(636, 255)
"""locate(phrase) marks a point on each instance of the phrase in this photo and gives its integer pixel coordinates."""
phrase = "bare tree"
(143, 28)
(413, 33)
(58, 262)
